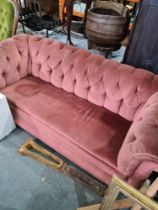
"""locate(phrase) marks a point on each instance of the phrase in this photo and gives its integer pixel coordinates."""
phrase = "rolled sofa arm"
(14, 59)
(138, 156)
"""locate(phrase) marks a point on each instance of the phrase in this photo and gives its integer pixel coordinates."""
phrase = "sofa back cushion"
(14, 60)
(117, 87)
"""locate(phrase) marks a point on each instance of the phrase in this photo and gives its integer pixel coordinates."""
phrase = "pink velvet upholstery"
(99, 80)
(140, 144)
(14, 60)
(91, 131)
(82, 105)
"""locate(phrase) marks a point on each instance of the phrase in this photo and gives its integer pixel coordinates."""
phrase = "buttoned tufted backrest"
(14, 60)
(8, 18)
(120, 88)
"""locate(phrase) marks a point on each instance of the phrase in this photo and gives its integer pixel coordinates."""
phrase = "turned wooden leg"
(69, 12)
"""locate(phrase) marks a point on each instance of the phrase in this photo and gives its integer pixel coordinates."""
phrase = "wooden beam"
(93, 207)
(135, 195)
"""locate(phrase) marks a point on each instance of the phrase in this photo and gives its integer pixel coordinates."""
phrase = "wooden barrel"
(106, 28)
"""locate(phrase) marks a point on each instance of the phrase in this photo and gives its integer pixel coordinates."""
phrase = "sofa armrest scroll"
(141, 143)
(14, 60)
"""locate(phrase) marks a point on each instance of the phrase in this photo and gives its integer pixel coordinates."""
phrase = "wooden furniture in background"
(49, 6)
(68, 4)
(143, 43)
(134, 199)
(133, 1)
(31, 15)
(75, 13)
(107, 26)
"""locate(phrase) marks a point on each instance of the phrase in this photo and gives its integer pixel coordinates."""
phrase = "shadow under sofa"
(94, 111)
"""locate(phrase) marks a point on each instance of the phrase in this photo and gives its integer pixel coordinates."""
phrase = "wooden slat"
(151, 191)
(122, 204)
(134, 194)
(134, 1)
(93, 207)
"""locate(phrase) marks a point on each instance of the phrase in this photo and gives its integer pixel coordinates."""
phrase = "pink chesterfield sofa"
(99, 114)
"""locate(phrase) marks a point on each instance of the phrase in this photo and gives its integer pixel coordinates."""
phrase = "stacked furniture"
(99, 114)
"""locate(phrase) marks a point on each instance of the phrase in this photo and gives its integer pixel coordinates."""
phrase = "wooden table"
(69, 12)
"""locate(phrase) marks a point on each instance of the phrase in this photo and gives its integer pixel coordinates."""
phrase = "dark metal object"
(31, 16)
(85, 179)
(106, 29)
(77, 25)
(143, 43)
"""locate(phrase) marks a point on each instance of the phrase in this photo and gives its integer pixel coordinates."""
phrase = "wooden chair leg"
(151, 191)
(109, 198)
(134, 198)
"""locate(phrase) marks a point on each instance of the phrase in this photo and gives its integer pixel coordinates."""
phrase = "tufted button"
(60, 62)
(4, 74)
(155, 125)
(20, 52)
(50, 71)
(88, 88)
(18, 67)
(139, 119)
(137, 90)
(39, 66)
(5, 29)
(147, 105)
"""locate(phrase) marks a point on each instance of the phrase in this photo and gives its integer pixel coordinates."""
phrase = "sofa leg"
(93, 207)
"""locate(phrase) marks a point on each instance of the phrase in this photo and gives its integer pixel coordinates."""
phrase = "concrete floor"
(28, 185)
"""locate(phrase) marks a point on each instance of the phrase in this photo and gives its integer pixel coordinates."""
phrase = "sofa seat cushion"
(89, 128)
